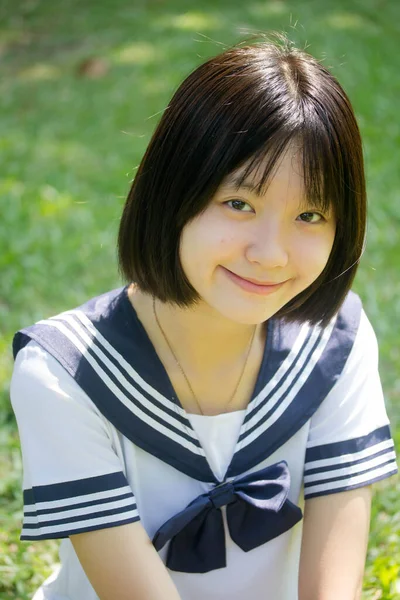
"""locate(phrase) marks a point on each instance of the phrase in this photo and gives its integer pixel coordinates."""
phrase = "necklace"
(183, 372)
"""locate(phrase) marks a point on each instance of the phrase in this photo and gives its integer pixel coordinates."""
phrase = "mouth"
(254, 286)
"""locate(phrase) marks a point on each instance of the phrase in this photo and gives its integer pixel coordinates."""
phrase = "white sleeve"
(349, 443)
(72, 478)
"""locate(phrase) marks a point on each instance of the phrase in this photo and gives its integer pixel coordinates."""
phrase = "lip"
(251, 285)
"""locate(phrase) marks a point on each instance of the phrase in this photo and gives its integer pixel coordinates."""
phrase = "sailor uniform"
(106, 442)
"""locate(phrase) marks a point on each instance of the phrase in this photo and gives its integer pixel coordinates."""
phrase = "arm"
(64, 441)
(334, 545)
(122, 564)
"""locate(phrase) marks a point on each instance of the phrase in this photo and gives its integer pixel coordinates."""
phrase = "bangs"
(322, 168)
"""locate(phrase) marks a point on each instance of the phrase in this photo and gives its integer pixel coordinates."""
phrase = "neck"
(197, 335)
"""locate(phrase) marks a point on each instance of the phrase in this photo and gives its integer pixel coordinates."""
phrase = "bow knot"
(222, 494)
(257, 511)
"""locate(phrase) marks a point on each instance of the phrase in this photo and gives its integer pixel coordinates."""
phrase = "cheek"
(208, 238)
(200, 244)
(312, 253)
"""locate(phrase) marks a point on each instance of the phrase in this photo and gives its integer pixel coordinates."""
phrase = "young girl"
(212, 430)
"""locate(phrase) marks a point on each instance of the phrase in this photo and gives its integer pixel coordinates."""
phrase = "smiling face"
(275, 238)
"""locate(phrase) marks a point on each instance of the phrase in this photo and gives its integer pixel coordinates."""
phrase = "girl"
(213, 429)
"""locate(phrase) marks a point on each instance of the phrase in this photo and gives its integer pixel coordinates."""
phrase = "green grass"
(69, 146)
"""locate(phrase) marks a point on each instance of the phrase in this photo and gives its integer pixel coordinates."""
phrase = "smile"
(255, 288)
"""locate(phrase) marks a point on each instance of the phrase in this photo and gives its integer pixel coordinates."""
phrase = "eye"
(237, 205)
(310, 217)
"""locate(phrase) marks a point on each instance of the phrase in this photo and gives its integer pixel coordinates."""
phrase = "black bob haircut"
(236, 109)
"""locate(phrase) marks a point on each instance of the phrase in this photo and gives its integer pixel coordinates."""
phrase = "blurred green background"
(82, 86)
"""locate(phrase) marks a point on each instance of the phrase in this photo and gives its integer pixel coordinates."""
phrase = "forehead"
(257, 176)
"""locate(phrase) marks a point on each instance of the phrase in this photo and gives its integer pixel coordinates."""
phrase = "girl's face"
(277, 238)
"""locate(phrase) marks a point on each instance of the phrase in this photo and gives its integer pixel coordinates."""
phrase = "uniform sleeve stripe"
(76, 488)
(54, 520)
(349, 446)
(332, 483)
(32, 509)
(57, 532)
(61, 509)
(367, 453)
(352, 461)
(72, 501)
(78, 511)
(356, 469)
(324, 488)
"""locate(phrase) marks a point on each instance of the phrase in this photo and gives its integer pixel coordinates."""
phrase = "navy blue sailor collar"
(105, 348)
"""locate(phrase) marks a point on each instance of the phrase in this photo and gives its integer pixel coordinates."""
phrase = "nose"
(268, 246)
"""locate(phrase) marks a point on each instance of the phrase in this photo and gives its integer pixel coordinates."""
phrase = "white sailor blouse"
(106, 442)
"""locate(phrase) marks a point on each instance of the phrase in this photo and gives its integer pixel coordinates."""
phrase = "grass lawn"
(82, 87)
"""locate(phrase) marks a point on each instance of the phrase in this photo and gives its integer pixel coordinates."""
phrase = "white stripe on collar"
(82, 344)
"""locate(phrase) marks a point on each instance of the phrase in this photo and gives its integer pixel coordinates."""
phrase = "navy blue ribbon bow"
(257, 511)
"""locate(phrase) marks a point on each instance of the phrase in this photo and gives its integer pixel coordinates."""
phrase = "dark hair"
(240, 107)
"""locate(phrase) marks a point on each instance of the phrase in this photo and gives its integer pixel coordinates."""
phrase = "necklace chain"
(183, 372)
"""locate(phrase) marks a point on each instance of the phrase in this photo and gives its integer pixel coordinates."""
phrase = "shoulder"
(58, 354)
(345, 325)
(363, 354)
(39, 383)
(347, 338)
(102, 309)
(351, 308)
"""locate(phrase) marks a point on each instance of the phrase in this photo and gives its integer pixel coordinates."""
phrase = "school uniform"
(106, 442)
